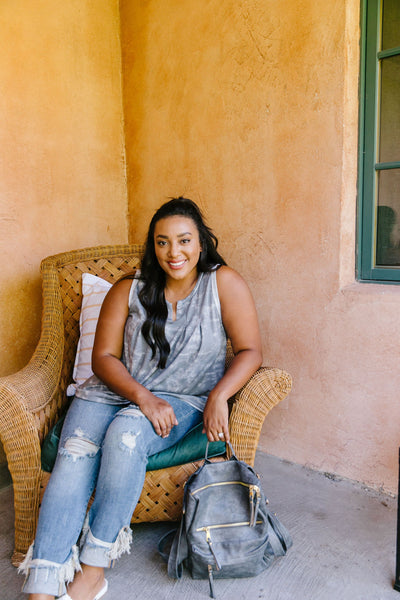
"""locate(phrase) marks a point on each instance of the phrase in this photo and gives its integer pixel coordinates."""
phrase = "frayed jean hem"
(47, 577)
(96, 553)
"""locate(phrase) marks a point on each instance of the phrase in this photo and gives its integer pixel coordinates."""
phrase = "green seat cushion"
(190, 448)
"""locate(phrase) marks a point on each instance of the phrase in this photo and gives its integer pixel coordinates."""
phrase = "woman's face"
(177, 247)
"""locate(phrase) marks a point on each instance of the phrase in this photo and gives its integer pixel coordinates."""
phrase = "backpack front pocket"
(226, 547)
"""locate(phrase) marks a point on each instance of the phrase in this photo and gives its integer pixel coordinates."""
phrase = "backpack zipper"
(222, 525)
(254, 496)
(207, 529)
(248, 485)
(210, 545)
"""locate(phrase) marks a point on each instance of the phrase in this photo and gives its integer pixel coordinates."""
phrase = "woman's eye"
(185, 240)
(161, 243)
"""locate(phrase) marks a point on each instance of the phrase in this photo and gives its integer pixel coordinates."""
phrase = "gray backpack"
(226, 529)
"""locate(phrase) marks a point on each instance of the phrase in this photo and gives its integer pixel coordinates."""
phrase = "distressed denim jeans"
(103, 447)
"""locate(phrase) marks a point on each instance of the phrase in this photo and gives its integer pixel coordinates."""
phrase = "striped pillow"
(94, 290)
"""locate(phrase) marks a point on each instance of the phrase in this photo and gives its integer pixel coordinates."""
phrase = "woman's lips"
(177, 264)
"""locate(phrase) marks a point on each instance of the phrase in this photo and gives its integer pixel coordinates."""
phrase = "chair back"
(62, 299)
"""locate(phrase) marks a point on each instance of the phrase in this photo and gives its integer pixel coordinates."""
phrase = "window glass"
(391, 24)
(390, 110)
(388, 219)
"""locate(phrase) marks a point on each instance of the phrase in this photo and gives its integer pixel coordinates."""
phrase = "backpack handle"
(233, 457)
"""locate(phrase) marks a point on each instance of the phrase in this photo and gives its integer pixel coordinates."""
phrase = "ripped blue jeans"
(103, 447)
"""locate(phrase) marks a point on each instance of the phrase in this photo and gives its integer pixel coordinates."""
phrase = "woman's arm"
(241, 325)
(107, 365)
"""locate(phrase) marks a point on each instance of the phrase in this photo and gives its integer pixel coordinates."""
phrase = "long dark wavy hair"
(152, 293)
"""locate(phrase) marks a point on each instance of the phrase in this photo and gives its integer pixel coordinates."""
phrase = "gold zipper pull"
(210, 545)
(255, 497)
(252, 514)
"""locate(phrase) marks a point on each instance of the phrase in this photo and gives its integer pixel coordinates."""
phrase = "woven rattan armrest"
(20, 437)
(27, 409)
(264, 390)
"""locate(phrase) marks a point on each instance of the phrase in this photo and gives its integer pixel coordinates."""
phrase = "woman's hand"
(215, 419)
(159, 412)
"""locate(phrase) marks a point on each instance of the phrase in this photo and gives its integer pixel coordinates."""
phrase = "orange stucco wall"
(62, 165)
(250, 107)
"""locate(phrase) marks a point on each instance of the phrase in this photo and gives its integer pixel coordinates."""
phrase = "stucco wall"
(250, 108)
(62, 162)
(62, 166)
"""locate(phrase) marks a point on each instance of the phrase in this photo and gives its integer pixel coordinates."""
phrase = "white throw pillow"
(94, 290)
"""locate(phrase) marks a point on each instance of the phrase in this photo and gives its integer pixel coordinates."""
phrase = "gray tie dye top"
(198, 345)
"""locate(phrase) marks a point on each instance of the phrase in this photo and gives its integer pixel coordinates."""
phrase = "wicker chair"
(32, 400)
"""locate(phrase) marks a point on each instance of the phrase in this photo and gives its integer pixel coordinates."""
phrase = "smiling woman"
(159, 370)
(154, 292)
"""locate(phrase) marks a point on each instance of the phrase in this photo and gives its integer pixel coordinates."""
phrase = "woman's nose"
(173, 249)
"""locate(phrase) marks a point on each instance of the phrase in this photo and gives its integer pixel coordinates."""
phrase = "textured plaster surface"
(251, 108)
(62, 165)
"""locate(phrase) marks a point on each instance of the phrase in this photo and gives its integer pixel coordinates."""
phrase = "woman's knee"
(128, 431)
(79, 446)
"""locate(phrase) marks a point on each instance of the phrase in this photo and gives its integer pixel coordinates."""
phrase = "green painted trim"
(385, 274)
(388, 53)
(380, 281)
(371, 35)
(387, 166)
(361, 135)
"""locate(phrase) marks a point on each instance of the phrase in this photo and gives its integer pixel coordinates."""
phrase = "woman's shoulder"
(122, 286)
(228, 276)
(230, 283)
(119, 292)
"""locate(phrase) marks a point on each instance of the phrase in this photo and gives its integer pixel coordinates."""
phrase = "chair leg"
(397, 581)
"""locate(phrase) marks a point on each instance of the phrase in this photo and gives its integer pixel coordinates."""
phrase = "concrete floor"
(344, 546)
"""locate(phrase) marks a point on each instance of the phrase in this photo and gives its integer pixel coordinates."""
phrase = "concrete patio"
(344, 546)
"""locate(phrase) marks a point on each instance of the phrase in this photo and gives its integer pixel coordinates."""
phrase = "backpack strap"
(279, 537)
(165, 543)
(178, 552)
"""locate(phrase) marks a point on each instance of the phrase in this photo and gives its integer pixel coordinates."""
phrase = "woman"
(158, 362)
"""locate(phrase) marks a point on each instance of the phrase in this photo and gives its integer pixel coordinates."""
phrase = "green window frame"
(379, 144)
